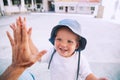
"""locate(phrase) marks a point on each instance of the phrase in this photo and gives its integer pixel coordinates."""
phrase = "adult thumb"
(41, 53)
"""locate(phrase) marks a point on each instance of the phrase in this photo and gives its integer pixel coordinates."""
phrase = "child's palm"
(102, 79)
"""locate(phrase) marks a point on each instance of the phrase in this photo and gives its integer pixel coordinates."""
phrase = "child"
(66, 61)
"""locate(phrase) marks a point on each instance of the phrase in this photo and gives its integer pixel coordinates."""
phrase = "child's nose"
(63, 44)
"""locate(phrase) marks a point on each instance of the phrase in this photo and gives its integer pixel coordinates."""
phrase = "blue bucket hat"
(72, 25)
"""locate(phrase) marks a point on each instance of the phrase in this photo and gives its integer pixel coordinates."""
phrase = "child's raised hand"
(24, 53)
(103, 79)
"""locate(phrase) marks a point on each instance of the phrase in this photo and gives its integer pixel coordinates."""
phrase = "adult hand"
(24, 53)
(33, 48)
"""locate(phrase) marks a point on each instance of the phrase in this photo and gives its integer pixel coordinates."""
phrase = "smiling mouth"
(63, 50)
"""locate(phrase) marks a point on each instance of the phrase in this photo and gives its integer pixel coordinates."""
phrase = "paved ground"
(102, 50)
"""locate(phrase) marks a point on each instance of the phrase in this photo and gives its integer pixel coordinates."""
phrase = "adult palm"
(24, 52)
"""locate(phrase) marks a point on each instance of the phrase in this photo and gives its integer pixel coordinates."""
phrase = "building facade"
(76, 6)
(58, 6)
(21, 6)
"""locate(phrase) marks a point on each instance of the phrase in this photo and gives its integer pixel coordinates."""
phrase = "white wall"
(111, 10)
(1, 5)
(12, 9)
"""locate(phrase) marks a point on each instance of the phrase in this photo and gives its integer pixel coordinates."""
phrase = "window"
(16, 2)
(38, 1)
(5, 2)
(93, 8)
(72, 8)
(81, 8)
(27, 1)
(61, 8)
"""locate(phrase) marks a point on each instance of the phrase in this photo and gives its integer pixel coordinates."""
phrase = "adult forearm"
(12, 73)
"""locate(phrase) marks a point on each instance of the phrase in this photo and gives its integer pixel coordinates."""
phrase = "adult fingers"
(19, 30)
(10, 39)
(13, 42)
(29, 32)
(12, 27)
(24, 33)
(14, 32)
(24, 19)
(38, 56)
(20, 20)
(12, 45)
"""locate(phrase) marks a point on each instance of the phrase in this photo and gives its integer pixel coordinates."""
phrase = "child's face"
(66, 42)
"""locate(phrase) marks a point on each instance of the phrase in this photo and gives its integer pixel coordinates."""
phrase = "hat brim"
(82, 43)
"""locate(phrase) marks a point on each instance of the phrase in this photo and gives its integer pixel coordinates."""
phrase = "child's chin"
(63, 54)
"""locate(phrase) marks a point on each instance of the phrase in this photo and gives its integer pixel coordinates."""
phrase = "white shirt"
(62, 68)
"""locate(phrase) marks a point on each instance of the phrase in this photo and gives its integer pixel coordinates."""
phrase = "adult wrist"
(12, 73)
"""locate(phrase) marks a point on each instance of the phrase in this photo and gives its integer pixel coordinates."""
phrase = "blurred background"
(100, 24)
(108, 9)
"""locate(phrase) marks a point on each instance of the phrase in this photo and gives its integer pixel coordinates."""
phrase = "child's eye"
(70, 41)
(58, 39)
